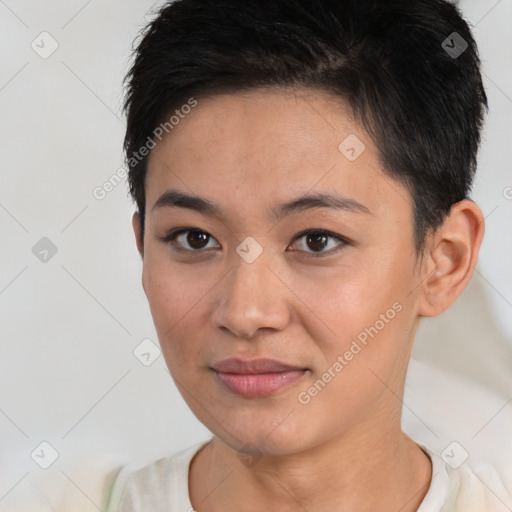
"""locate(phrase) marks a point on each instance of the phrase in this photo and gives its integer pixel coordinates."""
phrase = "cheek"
(368, 326)
(346, 298)
(366, 301)
(175, 297)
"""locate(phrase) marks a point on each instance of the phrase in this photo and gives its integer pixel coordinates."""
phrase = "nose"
(252, 297)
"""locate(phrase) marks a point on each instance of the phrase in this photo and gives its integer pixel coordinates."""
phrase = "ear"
(450, 257)
(137, 230)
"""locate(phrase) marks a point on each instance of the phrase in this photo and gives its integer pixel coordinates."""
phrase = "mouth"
(258, 377)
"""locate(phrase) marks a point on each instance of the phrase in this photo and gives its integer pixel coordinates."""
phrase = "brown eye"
(197, 239)
(190, 240)
(316, 242)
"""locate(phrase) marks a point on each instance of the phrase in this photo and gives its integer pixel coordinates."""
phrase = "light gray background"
(69, 326)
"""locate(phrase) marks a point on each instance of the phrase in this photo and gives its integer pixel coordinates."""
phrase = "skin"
(248, 152)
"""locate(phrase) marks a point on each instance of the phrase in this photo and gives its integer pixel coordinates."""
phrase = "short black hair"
(409, 70)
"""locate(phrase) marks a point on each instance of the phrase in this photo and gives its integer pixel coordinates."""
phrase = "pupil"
(318, 240)
(197, 239)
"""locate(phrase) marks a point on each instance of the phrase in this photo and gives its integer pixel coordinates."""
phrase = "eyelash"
(171, 237)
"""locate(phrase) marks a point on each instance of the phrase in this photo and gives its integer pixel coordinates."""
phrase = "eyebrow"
(175, 199)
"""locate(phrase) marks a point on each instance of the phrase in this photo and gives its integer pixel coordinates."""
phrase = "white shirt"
(162, 486)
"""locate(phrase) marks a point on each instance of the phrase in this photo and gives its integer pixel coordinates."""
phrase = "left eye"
(317, 241)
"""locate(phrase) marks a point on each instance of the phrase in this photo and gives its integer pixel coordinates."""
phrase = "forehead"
(269, 145)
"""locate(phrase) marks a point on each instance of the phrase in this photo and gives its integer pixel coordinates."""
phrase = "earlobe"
(137, 230)
(451, 257)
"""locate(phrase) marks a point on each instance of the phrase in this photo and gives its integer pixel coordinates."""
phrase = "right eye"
(189, 239)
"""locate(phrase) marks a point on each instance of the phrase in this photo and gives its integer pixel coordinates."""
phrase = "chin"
(264, 438)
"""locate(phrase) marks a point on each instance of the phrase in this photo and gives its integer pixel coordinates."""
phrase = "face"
(301, 252)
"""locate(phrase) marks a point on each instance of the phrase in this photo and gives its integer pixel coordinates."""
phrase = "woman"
(301, 172)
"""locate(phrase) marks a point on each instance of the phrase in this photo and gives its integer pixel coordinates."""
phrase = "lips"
(250, 367)
(257, 377)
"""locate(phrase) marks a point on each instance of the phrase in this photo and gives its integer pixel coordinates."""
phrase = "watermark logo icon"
(454, 455)
(249, 455)
(454, 45)
(44, 455)
(44, 45)
(147, 352)
(249, 250)
(44, 250)
(351, 147)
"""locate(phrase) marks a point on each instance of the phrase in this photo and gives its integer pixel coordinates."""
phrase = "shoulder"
(158, 486)
(476, 487)
(468, 486)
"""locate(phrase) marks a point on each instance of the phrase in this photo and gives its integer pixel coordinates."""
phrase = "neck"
(336, 475)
